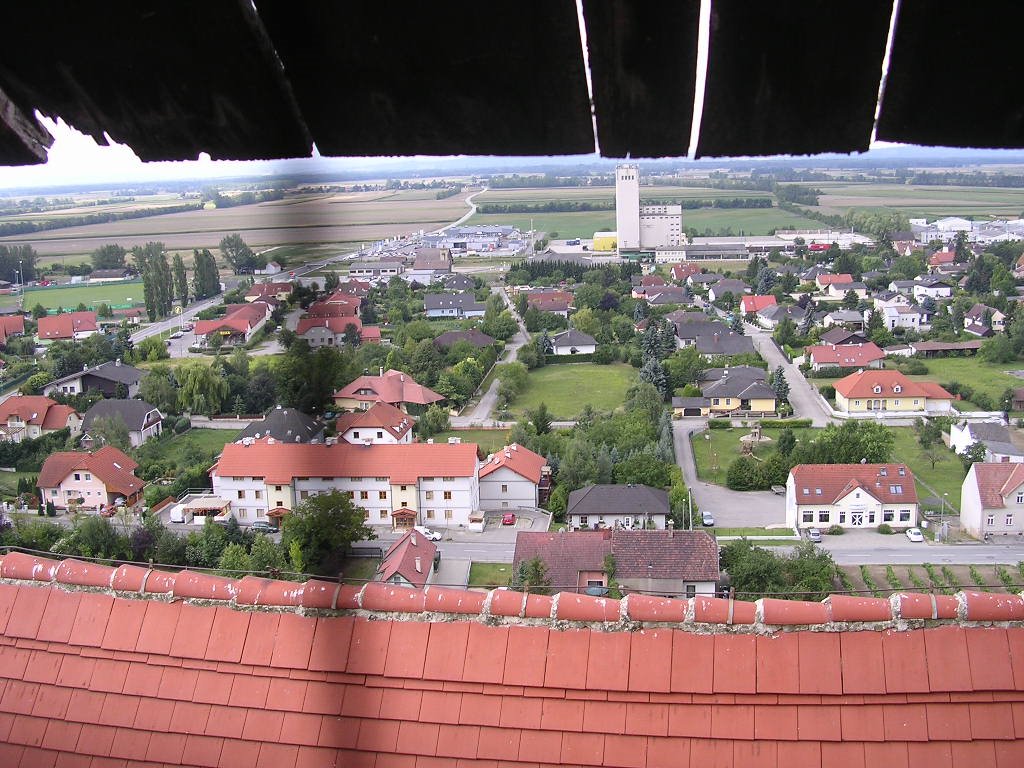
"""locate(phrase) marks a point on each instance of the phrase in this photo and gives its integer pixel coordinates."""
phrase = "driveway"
(732, 509)
(802, 397)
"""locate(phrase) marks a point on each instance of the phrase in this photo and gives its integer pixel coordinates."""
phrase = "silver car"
(813, 534)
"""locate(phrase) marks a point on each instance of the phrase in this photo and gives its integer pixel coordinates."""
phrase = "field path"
(465, 217)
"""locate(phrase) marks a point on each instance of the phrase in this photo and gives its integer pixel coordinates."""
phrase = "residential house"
(338, 304)
(91, 481)
(845, 356)
(940, 259)
(690, 406)
(680, 273)
(999, 447)
(110, 275)
(824, 279)
(854, 496)
(408, 562)
(277, 291)
(666, 563)
(992, 500)
(889, 299)
(1018, 399)
(810, 275)
(514, 477)
(727, 285)
(397, 486)
(376, 270)
(129, 315)
(67, 326)
(842, 337)
(335, 331)
(839, 290)
(456, 282)
(875, 391)
(724, 344)
(771, 316)
(271, 268)
(143, 420)
(911, 318)
(458, 305)
(617, 506)
(643, 285)
(429, 265)
(703, 280)
(237, 327)
(113, 379)
(355, 287)
(668, 295)
(474, 337)
(556, 302)
(393, 387)
(848, 318)
(381, 424)
(751, 304)
(573, 342)
(903, 287)
(935, 286)
(981, 320)
(739, 388)
(11, 325)
(26, 417)
(286, 425)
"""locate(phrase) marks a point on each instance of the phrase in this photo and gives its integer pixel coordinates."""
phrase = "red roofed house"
(100, 479)
(26, 417)
(396, 485)
(556, 302)
(184, 667)
(327, 331)
(408, 562)
(11, 325)
(844, 356)
(67, 326)
(941, 258)
(392, 387)
(680, 272)
(338, 304)
(668, 563)
(382, 424)
(238, 326)
(992, 499)
(824, 280)
(512, 478)
(876, 391)
(278, 291)
(751, 304)
(851, 496)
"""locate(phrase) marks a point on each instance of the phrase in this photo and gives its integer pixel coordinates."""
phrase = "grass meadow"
(565, 389)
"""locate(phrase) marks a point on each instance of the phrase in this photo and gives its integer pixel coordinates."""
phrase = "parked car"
(707, 519)
(262, 526)
(508, 519)
(814, 534)
(914, 534)
(426, 533)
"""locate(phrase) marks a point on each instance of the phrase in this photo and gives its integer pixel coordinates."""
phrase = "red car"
(508, 519)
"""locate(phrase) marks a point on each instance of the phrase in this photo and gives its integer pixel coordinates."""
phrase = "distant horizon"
(76, 160)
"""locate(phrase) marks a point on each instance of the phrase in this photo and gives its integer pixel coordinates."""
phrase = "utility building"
(643, 227)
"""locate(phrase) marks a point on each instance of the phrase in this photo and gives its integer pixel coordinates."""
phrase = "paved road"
(801, 395)
(871, 548)
(174, 323)
(472, 210)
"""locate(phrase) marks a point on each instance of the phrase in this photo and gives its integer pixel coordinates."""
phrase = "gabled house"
(935, 286)
(392, 387)
(889, 299)
(668, 295)
(408, 562)
(940, 259)
(839, 290)
(143, 420)
(513, 477)
(429, 265)
(663, 562)
(727, 285)
(107, 378)
(382, 424)
(67, 326)
(573, 342)
(724, 344)
(992, 499)
(474, 337)
(617, 506)
(739, 388)
(338, 304)
(845, 356)
(982, 320)
(842, 337)
(681, 272)
(999, 447)
(912, 318)
(271, 268)
(11, 325)
(285, 425)
(94, 481)
(703, 279)
(335, 331)
(752, 304)
(382, 270)
(238, 326)
(877, 391)
(644, 285)
(26, 417)
(277, 291)
(824, 279)
(851, 496)
(847, 318)
(457, 305)
(771, 316)
(556, 302)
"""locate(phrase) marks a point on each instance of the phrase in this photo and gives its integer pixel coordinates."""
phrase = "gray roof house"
(728, 285)
(142, 419)
(617, 506)
(474, 336)
(286, 425)
(996, 438)
(727, 344)
(748, 372)
(453, 305)
(104, 378)
(573, 342)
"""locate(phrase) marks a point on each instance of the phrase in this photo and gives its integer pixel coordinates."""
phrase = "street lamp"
(942, 514)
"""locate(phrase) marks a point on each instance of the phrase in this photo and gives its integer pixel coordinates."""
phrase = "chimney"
(419, 567)
(382, 370)
(117, 362)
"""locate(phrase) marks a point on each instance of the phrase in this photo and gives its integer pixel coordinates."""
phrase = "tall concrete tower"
(627, 206)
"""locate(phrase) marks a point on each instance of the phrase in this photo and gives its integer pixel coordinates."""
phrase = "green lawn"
(990, 378)
(748, 221)
(490, 440)
(749, 532)
(358, 570)
(947, 476)
(92, 296)
(565, 389)
(715, 449)
(181, 448)
(489, 574)
(583, 224)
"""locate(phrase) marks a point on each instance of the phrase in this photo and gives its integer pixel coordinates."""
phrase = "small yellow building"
(877, 390)
(606, 241)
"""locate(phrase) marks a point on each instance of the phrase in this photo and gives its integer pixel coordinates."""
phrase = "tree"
(932, 454)
(974, 453)
(737, 324)
(306, 379)
(643, 468)
(541, 419)
(780, 385)
(786, 442)
(201, 389)
(35, 383)
(39, 311)
(929, 432)
(235, 561)
(532, 576)
(320, 530)
(110, 430)
(180, 280)
(849, 443)
(685, 367)
(267, 556)
(961, 251)
(159, 388)
(239, 255)
(654, 374)
(108, 257)
(850, 300)
(544, 345)
(785, 332)
(997, 349)
(432, 422)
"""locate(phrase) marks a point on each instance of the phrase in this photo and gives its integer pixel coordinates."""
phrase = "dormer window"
(876, 389)
(817, 491)
(807, 491)
(897, 388)
(896, 489)
(884, 471)
(902, 471)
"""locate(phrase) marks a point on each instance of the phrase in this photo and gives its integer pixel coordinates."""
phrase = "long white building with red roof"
(851, 496)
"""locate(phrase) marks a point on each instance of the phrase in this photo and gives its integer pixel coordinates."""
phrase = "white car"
(914, 534)
(427, 533)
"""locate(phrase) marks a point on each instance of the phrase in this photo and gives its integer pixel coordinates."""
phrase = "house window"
(243, 514)
(430, 514)
(896, 489)
(404, 487)
(364, 494)
(716, 401)
(887, 516)
(53, 491)
(904, 515)
(504, 489)
(817, 491)
(806, 491)
(429, 494)
(897, 388)
(383, 514)
(241, 494)
(305, 494)
(823, 516)
(448, 479)
(447, 514)
(896, 403)
(583, 521)
(808, 516)
(380, 434)
(842, 517)
(87, 476)
(990, 520)
(902, 471)
(425, 479)
(917, 402)
(871, 517)
(1009, 520)
(77, 476)
(856, 402)
(447, 495)
(355, 435)
(350, 494)
(258, 494)
(366, 514)
(382, 494)
(277, 488)
(691, 590)
(380, 479)
(280, 503)
(1020, 498)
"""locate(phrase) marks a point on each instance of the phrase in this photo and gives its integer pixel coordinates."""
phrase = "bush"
(719, 424)
(827, 391)
(912, 367)
(744, 475)
(182, 424)
(885, 529)
(791, 423)
(829, 372)
(604, 355)
(835, 530)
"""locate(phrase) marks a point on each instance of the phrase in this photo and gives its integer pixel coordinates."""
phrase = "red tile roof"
(66, 325)
(392, 387)
(941, 257)
(750, 304)
(836, 481)
(995, 482)
(11, 325)
(826, 279)
(281, 462)
(111, 466)
(36, 409)
(522, 461)
(240, 317)
(334, 323)
(105, 666)
(682, 271)
(381, 415)
(864, 383)
(846, 355)
(268, 289)
(410, 558)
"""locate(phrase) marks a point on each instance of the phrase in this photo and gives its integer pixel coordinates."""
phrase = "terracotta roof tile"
(735, 664)
(778, 663)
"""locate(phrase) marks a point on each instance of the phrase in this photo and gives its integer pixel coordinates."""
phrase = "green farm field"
(90, 295)
(579, 194)
(583, 224)
(565, 389)
(922, 201)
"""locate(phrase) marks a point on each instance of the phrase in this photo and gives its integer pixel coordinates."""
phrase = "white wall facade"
(376, 436)
(248, 496)
(627, 206)
(629, 521)
(574, 349)
(995, 522)
(660, 225)
(504, 491)
(858, 509)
